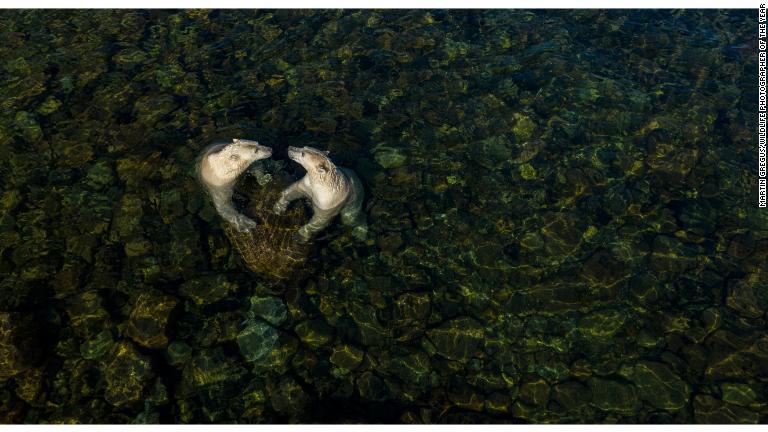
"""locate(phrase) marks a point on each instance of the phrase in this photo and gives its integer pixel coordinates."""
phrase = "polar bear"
(218, 168)
(331, 189)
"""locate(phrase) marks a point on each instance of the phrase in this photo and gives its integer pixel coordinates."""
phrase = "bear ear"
(327, 152)
(322, 168)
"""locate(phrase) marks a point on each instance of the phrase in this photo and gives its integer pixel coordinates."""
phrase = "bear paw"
(360, 232)
(301, 237)
(279, 208)
(244, 223)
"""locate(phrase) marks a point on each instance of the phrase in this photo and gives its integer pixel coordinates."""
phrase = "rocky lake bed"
(561, 204)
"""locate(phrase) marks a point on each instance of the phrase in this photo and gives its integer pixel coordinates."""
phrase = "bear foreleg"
(290, 193)
(223, 203)
(320, 219)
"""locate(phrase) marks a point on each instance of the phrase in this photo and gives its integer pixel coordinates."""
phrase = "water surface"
(562, 210)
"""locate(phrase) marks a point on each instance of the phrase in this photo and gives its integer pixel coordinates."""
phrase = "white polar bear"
(218, 168)
(332, 190)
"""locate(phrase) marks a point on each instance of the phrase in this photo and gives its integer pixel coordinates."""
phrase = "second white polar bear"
(331, 189)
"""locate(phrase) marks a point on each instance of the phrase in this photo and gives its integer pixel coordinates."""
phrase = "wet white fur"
(330, 189)
(218, 169)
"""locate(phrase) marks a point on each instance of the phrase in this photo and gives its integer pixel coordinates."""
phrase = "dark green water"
(562, 210)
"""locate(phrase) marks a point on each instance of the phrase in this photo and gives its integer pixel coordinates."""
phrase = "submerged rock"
(738, 394)
(178, 353)
(149, 319)
(97, 346)
(314, 333)
(270, 309)
(414, 368)
(209, 367)
(29, 386)
(602, 323)
(289, 398)
(371, 387)
(707, 409)
(207, 289)
(269, 249)
(743, 298)
(127, 375)
(389, 157)
(257, 340)
(660, 387)
(535, 392)
(467, 398)
(346, 357)
(458, 339)
(613, 396)
(571, 395)
(17, 344)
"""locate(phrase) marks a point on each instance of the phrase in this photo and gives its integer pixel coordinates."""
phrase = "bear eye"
(234, 157)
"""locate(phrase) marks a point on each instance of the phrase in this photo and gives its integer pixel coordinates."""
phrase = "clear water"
(562, 211)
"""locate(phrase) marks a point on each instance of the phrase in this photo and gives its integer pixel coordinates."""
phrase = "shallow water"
(562, 210)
